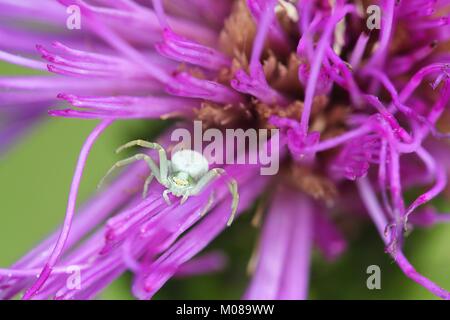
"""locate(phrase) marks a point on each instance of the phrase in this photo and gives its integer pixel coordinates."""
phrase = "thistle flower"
(354, 106)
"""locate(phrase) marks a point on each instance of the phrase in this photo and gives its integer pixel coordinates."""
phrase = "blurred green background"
(36, 173)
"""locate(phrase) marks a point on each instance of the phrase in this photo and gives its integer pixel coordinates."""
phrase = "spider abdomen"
(191, 162)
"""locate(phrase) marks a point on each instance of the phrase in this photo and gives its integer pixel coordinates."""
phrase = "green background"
(36, 173)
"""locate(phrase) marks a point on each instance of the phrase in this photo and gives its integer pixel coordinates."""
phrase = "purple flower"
(359, 112)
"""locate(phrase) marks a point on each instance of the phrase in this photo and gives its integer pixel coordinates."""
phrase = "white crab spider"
(185, 175)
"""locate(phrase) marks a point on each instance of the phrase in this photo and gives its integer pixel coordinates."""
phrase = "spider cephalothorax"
(185, 175)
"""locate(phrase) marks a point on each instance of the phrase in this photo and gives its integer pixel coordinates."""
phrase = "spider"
(185, 175)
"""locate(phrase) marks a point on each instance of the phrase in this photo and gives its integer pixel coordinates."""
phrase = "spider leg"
(206, 179)
(184, 198)
(232, 186)
(146, 185)
(140, 156)
(163, 162)
(208, 205)
(166, 196)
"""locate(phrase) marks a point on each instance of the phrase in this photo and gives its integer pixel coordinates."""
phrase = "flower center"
(281, 69)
